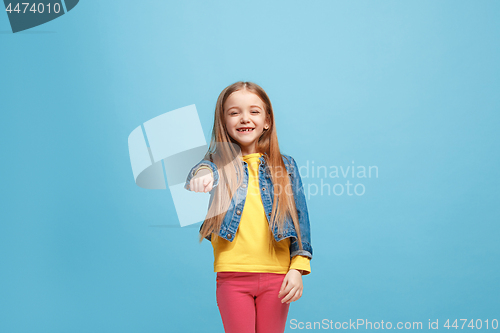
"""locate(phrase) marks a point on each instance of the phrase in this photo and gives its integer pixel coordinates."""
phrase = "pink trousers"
(249, 303)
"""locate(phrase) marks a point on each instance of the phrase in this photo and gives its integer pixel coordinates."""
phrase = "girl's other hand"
(202, 181)
(291, 287)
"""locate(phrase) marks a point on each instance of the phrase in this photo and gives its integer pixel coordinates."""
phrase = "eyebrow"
(232, 107)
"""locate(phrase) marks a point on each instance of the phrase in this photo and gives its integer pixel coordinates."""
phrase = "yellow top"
(252, 249)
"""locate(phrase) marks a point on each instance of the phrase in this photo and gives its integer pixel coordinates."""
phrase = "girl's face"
(245, 117)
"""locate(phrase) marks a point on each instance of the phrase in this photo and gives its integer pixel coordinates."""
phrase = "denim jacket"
(233, 215)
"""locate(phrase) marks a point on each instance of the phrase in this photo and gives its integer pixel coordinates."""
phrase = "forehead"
(243, 98)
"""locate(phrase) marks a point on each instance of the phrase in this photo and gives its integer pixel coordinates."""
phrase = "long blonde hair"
(223, 153)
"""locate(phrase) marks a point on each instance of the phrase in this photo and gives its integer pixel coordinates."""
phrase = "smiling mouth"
(245, 130)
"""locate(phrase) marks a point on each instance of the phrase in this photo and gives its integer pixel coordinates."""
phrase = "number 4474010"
(478, 323)
(33, 7)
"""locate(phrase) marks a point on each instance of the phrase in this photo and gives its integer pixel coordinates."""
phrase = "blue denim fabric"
(233, 215)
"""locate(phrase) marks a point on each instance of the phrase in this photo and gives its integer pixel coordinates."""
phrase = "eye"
(255, 111)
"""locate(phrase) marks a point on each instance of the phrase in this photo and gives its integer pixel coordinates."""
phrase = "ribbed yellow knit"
(252, 249)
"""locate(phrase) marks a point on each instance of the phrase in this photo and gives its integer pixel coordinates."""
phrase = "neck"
(248, 150)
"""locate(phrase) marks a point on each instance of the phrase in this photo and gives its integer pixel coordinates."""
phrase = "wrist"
(298, 270)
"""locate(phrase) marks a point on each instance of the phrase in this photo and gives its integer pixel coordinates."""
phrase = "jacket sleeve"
(194, 170)
(300, 203)
(204, 167)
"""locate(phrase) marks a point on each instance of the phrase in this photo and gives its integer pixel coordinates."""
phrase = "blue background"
(408, 86)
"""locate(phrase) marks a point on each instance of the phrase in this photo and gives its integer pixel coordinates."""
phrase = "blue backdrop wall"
(409, 88)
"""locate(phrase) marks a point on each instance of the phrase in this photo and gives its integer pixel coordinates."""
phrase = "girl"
(257, 219)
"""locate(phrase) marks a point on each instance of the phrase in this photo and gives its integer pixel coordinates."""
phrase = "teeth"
(245, 130)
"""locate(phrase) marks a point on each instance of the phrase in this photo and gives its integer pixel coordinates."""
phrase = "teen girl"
(257, 219)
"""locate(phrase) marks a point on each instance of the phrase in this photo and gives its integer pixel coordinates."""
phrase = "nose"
(245, 117)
